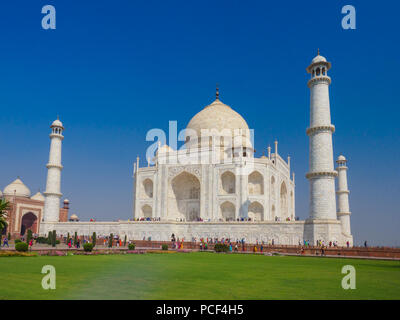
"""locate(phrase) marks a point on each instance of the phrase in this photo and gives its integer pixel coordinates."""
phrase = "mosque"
(214, 186)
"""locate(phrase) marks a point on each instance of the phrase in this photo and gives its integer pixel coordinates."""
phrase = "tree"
(125, 241)
(53, 238)
(94, 237)
(68, 238)
(110, 240)
(4, 206)
(49, 237)
(29, 236)
(75, 238)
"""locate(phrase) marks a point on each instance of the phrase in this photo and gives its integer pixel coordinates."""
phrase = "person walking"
(5, 242)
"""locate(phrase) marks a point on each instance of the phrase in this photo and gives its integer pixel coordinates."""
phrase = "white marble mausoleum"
(213, 186)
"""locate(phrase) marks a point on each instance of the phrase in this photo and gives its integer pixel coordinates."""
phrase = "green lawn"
(197, 276)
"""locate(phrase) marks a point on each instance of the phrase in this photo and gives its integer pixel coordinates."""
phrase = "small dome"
(341, 158)
(17, 188)
(38, 196)
(66, 201)
(57, 123)
(165, 149)
(73, 217)
(318, 58)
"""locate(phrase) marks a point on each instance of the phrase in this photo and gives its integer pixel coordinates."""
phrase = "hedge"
(21, 246)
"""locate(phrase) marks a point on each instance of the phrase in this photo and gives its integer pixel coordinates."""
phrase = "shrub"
(17, 241)
(17, 254)
(9, 236)
(41, 240)
(88, 247)
(21, 246)
(164, 247)
(75, 238)
(94, 237)
(131, 246)
(125, 241)
(29, 236)
(221, 247)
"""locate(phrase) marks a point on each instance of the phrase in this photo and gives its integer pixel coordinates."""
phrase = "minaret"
(51, 211)
(322, 174)
(342, 192)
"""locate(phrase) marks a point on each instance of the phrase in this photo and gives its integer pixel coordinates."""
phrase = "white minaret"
(322, 174)
(342, 192)
(51, 211)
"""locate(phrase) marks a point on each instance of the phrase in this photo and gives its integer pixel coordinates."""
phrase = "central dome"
(217, 116)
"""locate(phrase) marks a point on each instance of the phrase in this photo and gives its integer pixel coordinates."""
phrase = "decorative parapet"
(319, 79)
(313, 130)
(313, 175)
(53, 165)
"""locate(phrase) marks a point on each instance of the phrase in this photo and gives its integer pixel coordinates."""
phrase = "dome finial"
(217, 92)
(318, 51)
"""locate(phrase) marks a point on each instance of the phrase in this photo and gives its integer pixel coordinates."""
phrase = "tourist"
(5, 242)
(365, 243)
(348, 244)
(30, 244)
(261, 248)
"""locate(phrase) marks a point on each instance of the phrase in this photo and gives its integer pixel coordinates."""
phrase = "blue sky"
(112, 70)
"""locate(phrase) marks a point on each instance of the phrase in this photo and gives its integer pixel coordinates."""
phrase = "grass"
(197, 276)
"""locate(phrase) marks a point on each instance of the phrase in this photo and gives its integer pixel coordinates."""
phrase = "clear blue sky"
(113, 70)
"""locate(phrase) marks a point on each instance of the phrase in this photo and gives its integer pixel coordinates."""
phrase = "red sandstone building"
(26, 211)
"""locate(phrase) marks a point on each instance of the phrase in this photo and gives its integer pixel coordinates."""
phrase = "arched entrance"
(284, 201)
(147, 211)
(28, 222)
(256, 211)
(228, 211)
(184, 197)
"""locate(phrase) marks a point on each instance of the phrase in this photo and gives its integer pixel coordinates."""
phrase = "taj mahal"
(214, 186)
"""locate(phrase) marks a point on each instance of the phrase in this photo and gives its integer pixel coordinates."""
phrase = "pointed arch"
(284, 201)
(147, 211)
(29, 222)
(256, 183)
(184, 197)
(228, 211)
(228, 183)
(273, 187)
(148, 187)
(256, 211)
